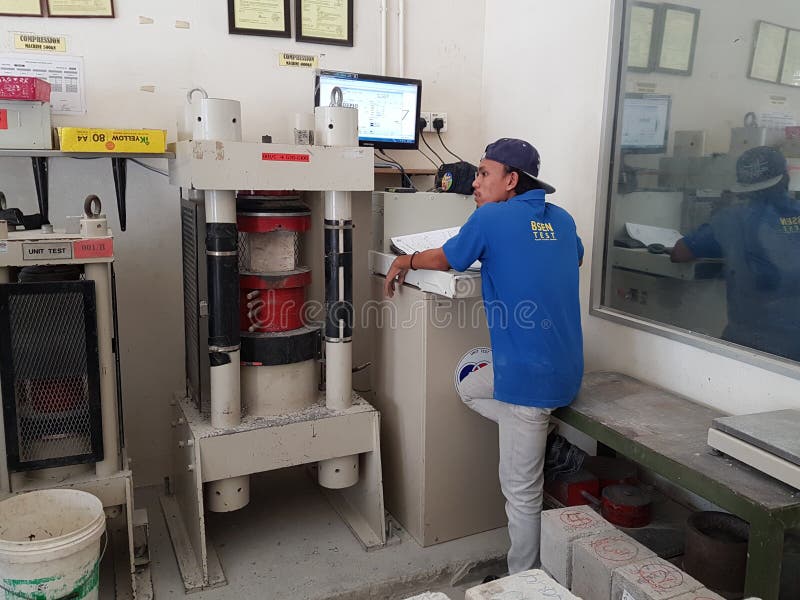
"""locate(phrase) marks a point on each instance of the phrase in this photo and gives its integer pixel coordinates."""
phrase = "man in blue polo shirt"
(758, 237)
(530, 253)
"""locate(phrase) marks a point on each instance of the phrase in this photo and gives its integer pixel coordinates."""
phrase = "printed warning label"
(286, 157)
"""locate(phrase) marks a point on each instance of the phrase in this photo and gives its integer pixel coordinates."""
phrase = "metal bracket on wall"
(40, 179)
(120, 168)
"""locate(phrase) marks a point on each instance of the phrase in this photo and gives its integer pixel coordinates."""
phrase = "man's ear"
(513, 181)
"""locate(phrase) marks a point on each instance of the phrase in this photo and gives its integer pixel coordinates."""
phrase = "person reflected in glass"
(758, 238)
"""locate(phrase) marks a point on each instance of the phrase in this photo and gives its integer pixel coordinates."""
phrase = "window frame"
(616, 71)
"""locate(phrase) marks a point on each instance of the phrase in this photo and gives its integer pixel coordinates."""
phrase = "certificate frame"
(284, 30)
(107, 11)
(790, 62)
(758, 71)
(302, 35)
(667, 37)
(24, 13)
(645, 63)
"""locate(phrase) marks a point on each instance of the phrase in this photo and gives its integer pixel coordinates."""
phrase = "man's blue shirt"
(529, 252)
(760, 242)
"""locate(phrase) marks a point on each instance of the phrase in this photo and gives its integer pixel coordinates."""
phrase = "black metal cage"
(50, 374)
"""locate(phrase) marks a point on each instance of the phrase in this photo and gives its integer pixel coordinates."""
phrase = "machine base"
(202, 454)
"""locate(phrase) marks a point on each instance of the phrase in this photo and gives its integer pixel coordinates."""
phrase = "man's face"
(492, 183)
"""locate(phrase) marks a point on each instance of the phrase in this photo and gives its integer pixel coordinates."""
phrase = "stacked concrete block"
(701, 594)
(528, 585)
(560, 528)
(651, 579)
(595, 558)
(430, 596)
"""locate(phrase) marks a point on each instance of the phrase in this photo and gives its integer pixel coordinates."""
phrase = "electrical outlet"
(427, 117)
(443, 117)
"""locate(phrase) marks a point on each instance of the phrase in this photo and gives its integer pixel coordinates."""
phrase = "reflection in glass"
(724, 184)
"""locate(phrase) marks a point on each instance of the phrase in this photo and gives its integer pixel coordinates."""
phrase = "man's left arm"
(433, 260)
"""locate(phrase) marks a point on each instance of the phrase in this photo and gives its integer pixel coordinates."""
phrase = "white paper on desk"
(417, 242)
(647, 234)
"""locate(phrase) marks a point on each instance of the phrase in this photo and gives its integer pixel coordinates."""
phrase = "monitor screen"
(645, 123)
(388, 107)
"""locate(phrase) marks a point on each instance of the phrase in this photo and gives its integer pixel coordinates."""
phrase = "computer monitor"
(645, 123)
(388, 107)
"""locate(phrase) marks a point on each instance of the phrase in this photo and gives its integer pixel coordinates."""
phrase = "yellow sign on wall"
(43, 43)
(308, 61)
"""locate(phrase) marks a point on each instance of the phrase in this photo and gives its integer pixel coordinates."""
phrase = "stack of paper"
(417, 242)
(647, 234)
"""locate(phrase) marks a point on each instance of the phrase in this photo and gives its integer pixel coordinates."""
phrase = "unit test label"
(46, 251)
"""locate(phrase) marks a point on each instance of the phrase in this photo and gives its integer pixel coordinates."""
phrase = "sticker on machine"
(3, 247)
(286, 156)
(474, 376)
(94, 248)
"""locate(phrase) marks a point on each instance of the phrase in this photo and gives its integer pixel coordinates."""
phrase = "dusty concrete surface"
(288, 543)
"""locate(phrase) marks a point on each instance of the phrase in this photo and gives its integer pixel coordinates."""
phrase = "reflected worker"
(530, 253)
(759, 240)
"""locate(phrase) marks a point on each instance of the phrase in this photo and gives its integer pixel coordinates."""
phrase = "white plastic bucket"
(50, 545)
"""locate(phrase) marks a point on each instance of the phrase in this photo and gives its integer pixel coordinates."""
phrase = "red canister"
(626, 506)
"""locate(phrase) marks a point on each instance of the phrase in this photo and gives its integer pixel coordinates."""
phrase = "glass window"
(703, 212)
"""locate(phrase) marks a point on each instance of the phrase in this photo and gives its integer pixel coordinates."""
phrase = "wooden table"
(667, 434)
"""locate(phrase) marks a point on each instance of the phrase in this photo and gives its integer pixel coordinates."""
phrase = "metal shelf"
(60, 154)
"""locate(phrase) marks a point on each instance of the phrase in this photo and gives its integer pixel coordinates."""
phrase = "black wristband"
(411, 262)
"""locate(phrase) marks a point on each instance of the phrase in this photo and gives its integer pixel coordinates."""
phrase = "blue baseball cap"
(759, 168)
(518, 154)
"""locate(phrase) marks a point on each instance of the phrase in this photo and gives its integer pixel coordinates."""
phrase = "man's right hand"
(681, 253)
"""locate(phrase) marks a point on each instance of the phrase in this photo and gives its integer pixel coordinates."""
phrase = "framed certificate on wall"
(259, 17)
(80, 8)
(678, 35)
(21, 8)
(640, 47)
(324, 21)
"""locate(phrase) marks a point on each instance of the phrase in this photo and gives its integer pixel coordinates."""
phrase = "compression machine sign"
(471, 363)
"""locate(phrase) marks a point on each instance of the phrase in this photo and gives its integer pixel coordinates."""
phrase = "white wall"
(544, 80)
(444, 48)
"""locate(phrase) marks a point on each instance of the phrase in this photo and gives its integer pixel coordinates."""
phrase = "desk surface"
(659, 426)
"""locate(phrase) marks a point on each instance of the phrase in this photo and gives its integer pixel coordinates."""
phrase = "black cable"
(428, 157)
(431, 149)
(441, 141)
(403, 174)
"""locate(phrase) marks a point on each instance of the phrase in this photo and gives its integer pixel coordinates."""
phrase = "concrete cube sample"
(528, 585)
(430, 596)
(701, 594)
(595, 558)
(651, 579)
(560, 528)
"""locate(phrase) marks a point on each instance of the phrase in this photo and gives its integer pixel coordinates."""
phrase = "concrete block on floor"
(701, 594)
(651, 579)
(528, 585)
(430, 596)
(560, 528)
(595, 558)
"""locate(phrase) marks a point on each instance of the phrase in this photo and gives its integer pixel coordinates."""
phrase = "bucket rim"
(94, 528)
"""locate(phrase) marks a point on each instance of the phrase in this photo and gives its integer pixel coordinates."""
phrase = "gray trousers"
(523, 438)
